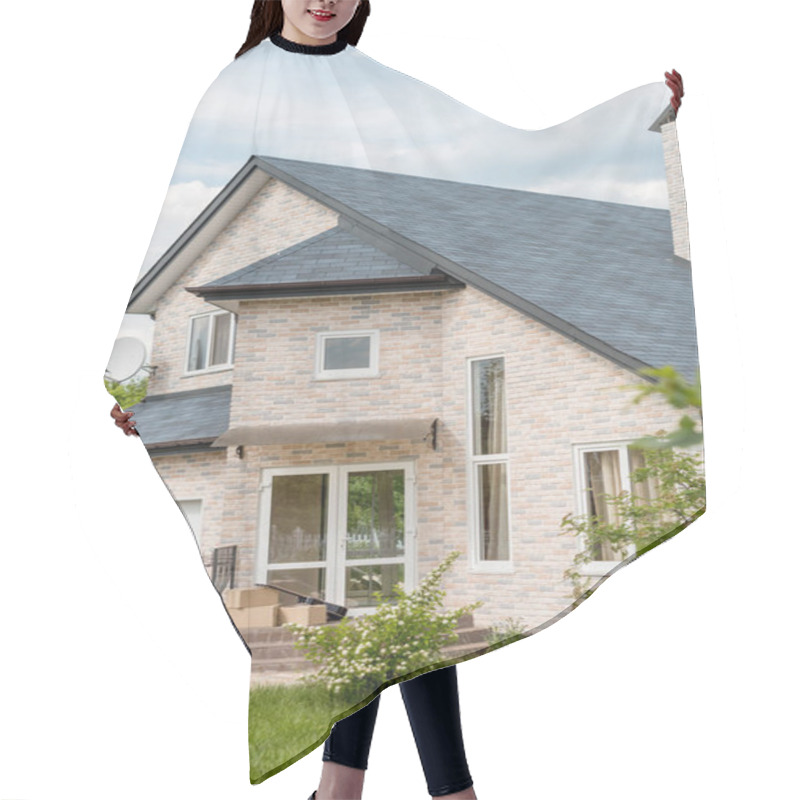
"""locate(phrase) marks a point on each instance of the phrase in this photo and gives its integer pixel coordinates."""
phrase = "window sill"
(598, 569)
(493, 568)
(350, 377)
(209, 371)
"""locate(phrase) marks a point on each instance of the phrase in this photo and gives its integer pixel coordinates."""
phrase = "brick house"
(358, 372)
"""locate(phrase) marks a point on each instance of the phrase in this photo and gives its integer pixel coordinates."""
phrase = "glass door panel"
(368, 584)
(375, 545)
(375, 514)
(298, 526)
(298, 533)
(310, 582)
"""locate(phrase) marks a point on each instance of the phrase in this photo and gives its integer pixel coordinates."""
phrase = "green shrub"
(359, 655)
(129, 393)
(508, 630)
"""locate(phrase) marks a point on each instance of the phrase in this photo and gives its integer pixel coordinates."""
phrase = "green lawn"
(286, 722)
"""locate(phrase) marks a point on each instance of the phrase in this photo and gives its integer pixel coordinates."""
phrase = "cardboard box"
(256, 617)
(303, 614)
(250, 598)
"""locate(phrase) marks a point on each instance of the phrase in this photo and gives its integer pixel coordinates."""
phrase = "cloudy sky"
(349, 109)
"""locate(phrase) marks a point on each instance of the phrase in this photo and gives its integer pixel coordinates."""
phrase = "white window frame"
(198, 535)
(336, 561)
(372, 371)
(217, 367)
(600, 568)
(476, 563)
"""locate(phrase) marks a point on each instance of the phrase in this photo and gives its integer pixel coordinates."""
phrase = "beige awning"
(375, 430)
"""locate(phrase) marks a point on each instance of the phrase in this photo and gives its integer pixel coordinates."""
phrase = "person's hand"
(675, 83)
(124, 420)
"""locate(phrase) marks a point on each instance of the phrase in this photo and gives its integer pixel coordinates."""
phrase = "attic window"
(347, 354)
(210, 345)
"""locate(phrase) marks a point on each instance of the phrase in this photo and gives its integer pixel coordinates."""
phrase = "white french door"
(343, 534)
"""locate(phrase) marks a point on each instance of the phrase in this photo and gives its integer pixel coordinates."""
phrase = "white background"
(121, 676)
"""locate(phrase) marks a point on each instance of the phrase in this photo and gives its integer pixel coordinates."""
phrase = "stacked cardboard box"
(302, 614)
(259, 608)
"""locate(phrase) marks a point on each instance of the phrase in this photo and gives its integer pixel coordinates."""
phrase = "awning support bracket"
(433, 435)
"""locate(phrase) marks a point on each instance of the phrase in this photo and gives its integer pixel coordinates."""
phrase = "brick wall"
(275, 359)
(677, 196)
(277, 218)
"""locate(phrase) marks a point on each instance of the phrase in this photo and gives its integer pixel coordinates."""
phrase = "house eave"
(183, 447)
(421, 283)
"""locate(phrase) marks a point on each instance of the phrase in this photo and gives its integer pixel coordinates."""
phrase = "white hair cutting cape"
(393, 349)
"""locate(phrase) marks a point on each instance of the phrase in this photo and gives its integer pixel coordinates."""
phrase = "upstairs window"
(210, 344)
(347, 354)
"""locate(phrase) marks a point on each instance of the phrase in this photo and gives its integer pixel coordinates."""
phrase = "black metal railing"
(223, 567)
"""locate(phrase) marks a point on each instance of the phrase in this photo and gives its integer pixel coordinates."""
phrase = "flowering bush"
(358, 655)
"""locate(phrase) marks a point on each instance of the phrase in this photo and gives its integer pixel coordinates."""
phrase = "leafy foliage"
(129, 393)
(358, 655)
(642, 523)
(679, 393)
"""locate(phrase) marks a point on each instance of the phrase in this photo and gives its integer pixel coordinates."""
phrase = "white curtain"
(489, 407)
(604, 477)
(494, 512)
(489, 435)
(647, 489)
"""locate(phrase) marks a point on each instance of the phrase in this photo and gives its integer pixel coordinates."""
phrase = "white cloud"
(355, 112)
(184, 201)
(652, 194)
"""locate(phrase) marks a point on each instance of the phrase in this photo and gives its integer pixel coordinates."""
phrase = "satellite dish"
(127, 358)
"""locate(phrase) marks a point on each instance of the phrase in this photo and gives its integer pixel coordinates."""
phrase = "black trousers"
(432, 706)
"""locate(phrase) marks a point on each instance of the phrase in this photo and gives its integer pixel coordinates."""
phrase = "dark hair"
(266, 18)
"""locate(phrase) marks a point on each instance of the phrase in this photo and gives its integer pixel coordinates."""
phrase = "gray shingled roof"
(333, 254)
(603, 273)
(183, 418)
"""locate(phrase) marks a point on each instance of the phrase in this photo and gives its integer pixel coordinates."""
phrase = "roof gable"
(336, 261)
(600, 273)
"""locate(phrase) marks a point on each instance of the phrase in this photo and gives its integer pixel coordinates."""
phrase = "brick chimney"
(665, 125)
